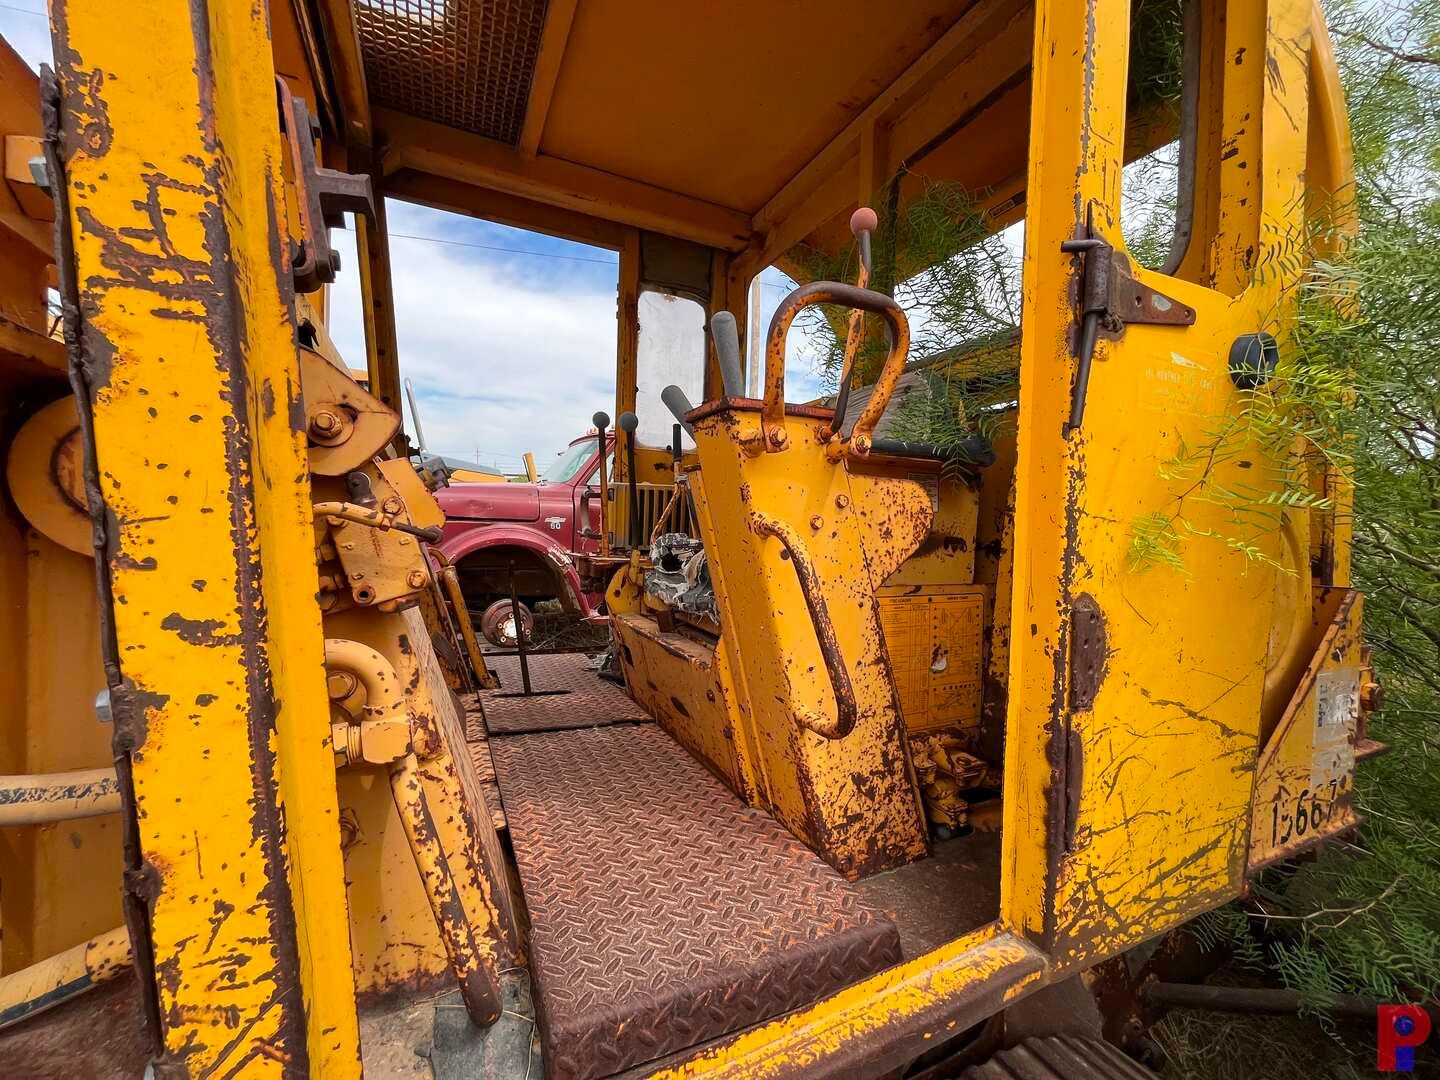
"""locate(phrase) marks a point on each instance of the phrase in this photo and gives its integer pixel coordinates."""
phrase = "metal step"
(664, 913)
(1060, 1057)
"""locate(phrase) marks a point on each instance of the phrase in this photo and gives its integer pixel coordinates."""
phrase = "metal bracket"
(1111, 298)
(323, 195)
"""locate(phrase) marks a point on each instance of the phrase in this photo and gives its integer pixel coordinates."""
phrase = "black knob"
(1253, 359)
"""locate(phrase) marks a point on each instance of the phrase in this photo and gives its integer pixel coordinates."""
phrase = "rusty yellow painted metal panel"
(853, 799)
(935, 640)
(679, 682)
(1134, 699)
(948, 555)
(887, 1020)
(1304, 780)
(187, 349)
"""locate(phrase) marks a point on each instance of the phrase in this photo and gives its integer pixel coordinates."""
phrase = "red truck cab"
(537, 528)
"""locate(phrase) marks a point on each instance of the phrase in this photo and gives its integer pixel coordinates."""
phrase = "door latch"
(1110, 298)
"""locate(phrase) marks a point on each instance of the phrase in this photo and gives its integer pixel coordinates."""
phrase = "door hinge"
(1110, 298)
(323, 195)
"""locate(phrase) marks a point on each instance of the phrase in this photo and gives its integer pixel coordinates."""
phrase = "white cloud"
(507, 352)
(504, 358)
(28, 32)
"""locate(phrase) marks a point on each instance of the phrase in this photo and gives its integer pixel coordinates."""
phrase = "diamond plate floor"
(664, 912)
(589, 701)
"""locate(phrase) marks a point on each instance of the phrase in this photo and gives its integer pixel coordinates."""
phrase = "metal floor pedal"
(568, 695)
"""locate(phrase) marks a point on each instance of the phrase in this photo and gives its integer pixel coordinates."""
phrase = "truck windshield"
(570, 462)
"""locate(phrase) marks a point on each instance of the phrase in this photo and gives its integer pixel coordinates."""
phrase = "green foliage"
(1156, 46)
(1364, 918)
(961, 396)
(956, 279)
(1254, 465)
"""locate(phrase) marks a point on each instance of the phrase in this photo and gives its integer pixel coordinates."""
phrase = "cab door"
(589, 517)
(1135, 696)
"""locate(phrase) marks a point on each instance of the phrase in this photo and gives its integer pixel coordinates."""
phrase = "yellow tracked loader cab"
(901, 728)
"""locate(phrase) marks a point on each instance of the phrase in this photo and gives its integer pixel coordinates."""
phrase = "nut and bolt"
(817, 522)
(324, 422)
(842, 501)
(415, 579)
(392, 505)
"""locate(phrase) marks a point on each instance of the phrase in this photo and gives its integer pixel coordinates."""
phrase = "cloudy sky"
(508, 336)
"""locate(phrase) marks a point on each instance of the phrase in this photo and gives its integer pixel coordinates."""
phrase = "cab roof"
(748, 126)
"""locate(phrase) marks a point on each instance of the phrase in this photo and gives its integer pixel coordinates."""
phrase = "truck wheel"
(498, 624)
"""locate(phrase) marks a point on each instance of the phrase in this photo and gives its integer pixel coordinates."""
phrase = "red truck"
(536, 527)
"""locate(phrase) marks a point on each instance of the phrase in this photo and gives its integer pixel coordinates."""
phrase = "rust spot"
(129, 710)
(1089, 652)
(1074, 783)
(222, 911)
(297, 412)
(198, 631)
(123, 561)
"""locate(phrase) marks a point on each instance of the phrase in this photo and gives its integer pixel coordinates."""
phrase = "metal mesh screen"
(463, 63)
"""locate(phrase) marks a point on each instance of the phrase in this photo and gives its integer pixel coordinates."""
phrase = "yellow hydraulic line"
(45, 797)
(60, 977)
(479, 981)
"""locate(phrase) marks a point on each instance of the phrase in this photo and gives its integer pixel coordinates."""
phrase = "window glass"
(569, 463)
(671, 351)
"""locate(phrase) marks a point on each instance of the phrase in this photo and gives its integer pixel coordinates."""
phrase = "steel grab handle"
(845, 709)
(772, 417)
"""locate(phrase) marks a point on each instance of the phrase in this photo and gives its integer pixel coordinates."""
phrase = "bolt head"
(817, 522)
(1372, 696)
(324, 423)
(415, 579)
(842, 501)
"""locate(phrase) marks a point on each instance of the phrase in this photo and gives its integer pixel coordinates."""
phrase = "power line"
(24, 11)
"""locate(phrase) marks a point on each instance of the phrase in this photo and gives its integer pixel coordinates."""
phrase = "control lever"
(627, 423)
(601, 421)
(678, 404)
(376, 519)
(726, 336)
(863, 223)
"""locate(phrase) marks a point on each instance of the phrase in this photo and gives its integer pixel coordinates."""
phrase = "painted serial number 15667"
(1296, 816)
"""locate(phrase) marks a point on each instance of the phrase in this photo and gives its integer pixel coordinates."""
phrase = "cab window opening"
(1162, 92)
